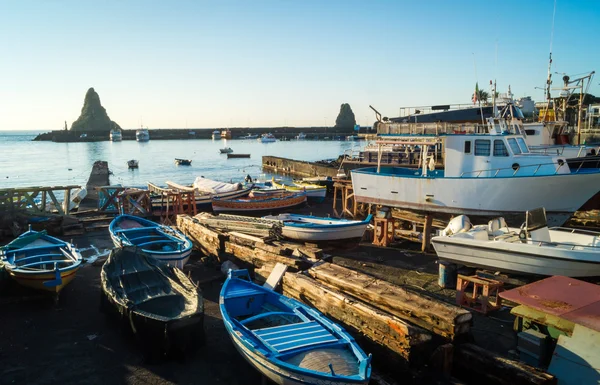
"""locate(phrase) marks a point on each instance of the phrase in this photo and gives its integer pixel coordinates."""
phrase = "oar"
(57, 281)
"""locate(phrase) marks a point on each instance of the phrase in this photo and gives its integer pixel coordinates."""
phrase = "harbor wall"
(203, 133)
(297, 167)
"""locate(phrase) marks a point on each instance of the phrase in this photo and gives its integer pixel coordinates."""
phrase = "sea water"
(25, 163)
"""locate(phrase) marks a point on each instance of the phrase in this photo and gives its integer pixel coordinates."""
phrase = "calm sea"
(24, 163)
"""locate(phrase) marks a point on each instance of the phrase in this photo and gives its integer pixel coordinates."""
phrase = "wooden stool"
(383, 234)
(483, 289)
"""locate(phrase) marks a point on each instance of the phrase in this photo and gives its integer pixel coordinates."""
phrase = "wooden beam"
(444, 319)
(388, 331)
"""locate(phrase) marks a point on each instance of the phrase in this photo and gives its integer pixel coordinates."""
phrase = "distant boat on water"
(267, 138)
(216, 134)
(115, 135)
(142, 135)
(133, 163)
(226, 150)
(249, 136)
(183, 162)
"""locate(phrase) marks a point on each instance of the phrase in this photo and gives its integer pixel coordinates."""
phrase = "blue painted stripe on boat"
(310, 327)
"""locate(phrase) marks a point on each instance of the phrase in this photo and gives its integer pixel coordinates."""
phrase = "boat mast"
(549, 78)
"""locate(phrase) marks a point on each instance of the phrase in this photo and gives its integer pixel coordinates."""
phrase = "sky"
(260, 63)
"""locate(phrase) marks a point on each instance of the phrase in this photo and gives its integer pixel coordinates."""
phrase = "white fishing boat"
(532, 249)
(142, 135)
(486, 174)
(267, 138)
(216, 134)
(301, 136)
(116, 135)
(314, 229)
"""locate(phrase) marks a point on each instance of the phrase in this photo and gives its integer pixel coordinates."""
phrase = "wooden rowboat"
(261, 203)
(40, 261)
(161, 242)
(316, 229)
(314, 193)
(156, 301)
(287, 341)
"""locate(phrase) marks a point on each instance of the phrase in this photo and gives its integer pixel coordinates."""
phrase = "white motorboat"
(216, 134)
(226, 150)
(532, 249)
(116, 135)
(267, 138)
(486, 174)
(142, 135)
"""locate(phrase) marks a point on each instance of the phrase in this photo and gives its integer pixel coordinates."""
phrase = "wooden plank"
(209, 242)
(391, 333)
(276, 275)
(258, 257)
(441, 318)
(472, 363)
(257, 242)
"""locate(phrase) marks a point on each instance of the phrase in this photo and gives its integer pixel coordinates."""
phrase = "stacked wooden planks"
(439, 317)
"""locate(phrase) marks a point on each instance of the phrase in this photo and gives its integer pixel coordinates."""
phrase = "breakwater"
(318, 133)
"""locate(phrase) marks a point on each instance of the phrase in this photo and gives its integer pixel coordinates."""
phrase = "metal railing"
(515, 169)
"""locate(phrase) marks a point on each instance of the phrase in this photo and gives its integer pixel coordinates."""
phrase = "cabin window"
(531, 132)
(482, 147)
(500, 148)
(467, 147)
(523, 145)
(514, 147)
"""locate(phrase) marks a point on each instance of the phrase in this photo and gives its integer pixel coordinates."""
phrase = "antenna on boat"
(549, 78)
(477, 90)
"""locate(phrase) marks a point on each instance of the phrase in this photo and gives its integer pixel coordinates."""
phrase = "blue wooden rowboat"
(316, 229)
(287, 341)
(40, 261)
(161, 242)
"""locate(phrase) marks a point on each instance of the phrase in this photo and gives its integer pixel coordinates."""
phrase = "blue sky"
(258, 63)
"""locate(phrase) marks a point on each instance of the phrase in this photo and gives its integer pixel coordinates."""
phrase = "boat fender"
(460, 224)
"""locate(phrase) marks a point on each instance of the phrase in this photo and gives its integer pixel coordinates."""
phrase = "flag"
(476, 94)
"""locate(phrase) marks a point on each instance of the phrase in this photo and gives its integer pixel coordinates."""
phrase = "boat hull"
(157, 303)
(275, 373)
(515, 258)
(478, 196)
(259, 206)
(162, 237)
(36, 280)
(329, 234)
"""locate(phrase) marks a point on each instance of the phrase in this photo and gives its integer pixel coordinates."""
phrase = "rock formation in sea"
(93, 116)
(345, 119)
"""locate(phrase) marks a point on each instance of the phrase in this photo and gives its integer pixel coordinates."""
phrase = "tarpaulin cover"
(139, 283)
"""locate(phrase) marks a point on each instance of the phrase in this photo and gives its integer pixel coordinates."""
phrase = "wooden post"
(427, 233)
(67, 201)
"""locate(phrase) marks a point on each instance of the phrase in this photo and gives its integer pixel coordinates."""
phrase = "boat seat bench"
(19, 260)
(244, 292)
(282, 339)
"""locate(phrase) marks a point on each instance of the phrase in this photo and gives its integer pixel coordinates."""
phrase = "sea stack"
(93, 116)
